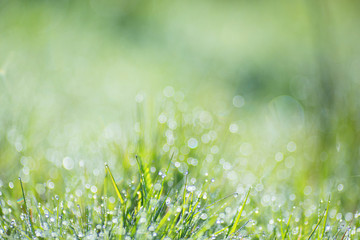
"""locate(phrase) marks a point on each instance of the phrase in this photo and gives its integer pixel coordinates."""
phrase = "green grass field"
(179, 120)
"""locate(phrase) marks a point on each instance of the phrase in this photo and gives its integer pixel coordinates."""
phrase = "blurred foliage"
(70, 71)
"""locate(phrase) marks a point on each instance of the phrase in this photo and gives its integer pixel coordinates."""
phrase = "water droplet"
(93, 189)
(168, 91)
(279, 156)
(192, 143)
(291, 146)
(68, 163)
(238, 101)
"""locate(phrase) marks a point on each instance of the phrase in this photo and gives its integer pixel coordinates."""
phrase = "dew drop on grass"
(13, 222)
(172, 124)
(68, 163)
(38, 233)
(348, 216)
(157, 186)
(162, 118)
(82, 163)
(191, 188)
(238, 101)
(246, 149)
(168, 91)
(50, 185)
(139, 97)
(205, 196)
(203, 216)
(214, 149)
(233, 128)
(93, 189)
(279, 156)
(78, 193)
(290, 162)
(307, 190)
(291, 146)
(205, 138)
(292, 197)
(192, 143)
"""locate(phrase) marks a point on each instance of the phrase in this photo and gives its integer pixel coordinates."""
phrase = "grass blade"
(26, 208)
(287, 226)
(317, 225)
(143, 182)
(236, 219)
(326, 214)
(121, 198)
(184, 197)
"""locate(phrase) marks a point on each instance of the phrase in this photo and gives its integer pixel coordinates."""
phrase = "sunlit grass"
(206, 120)
(166, 182)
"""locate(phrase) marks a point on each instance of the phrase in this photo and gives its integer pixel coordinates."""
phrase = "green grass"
(148, 191)
(179, 120)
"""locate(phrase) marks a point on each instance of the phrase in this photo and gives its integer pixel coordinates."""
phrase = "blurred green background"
(70, 69)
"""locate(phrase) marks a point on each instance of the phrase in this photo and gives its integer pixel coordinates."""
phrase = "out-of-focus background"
(281, 78)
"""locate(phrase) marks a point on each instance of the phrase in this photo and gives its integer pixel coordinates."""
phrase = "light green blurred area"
(296, 64)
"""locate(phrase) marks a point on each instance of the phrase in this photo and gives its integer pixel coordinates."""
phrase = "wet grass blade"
(217, 201)
(236, 219)
(143, 183)
(220, 231)
(348, 229)
(317, 225)
(287, 227)
(326, 214)
(164, 220)
(121, 198)
(26, 208)
(160, 208)
(237, 231)
(163, 179)
(184, 197)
